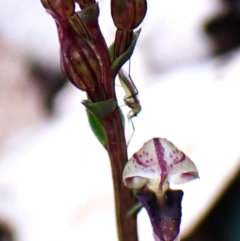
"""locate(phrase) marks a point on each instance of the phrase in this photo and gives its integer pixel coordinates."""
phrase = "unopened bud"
(71, 74)
(83, 61)
(128, 14)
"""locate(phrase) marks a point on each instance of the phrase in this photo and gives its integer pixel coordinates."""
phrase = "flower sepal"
(157, 164)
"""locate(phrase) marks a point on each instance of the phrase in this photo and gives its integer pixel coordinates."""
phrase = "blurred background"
(55, 179)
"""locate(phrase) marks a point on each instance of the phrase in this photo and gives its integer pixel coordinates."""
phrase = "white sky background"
(55, 178)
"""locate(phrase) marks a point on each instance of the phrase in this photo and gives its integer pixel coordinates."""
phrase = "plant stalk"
(124, 198)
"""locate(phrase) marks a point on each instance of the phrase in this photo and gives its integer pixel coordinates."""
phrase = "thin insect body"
(131, 97)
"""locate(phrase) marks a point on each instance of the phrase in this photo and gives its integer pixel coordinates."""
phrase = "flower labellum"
(165, 214)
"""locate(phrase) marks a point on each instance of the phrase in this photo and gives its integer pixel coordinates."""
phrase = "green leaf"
(97, 128)
(98, 111)
(101, 109)
(111, 51)
(122, 59)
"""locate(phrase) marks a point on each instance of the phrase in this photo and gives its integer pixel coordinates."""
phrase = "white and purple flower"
(150, 171)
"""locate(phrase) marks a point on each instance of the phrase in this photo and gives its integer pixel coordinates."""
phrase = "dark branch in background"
(49, 82)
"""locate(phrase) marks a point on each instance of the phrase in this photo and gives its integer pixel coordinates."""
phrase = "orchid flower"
(150, 171)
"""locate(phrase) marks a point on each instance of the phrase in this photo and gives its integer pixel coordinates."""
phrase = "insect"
(131, 97)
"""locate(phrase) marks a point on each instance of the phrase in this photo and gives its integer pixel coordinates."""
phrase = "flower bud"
(71, 74)
(128, 14)
(81, 58)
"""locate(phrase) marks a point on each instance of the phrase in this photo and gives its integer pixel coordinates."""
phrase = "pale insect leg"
(130, 98)
(133, 129)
